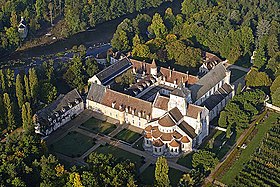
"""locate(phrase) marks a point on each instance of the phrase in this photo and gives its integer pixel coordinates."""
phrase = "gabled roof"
(176, 114)
(96, 92)
(187, 129)
(158, 143)
(208, 81)
(113, 70)
(193, 111)
(161, 102)
(174, 143)
(166, 121)
(62, 102)
(185, 139)
(154, 65)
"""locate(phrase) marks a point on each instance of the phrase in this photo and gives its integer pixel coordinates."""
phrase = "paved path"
(143, 167)
(240, 140)
(232, 66)
(130, 149)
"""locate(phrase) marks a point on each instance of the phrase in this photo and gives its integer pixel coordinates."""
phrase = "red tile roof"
(161, 102)
(193, 111)
(185, 139)
(158, 143)
(166, 121)
(174, 143)
(125, 101)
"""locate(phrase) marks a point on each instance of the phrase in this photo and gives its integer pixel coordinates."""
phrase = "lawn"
(186, 160)
(99, 126)
(128, 136)
(236, 74)
(246, 154)
(73, 144)
(121, 154)
(139, 144)
(147, 177)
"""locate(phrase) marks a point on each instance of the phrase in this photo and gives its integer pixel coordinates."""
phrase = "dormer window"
(77, 101)
(63, 110)
(113, 104)
(49, 118)
(70, 105)
(56, 114)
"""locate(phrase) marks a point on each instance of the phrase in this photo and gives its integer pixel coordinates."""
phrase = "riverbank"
(102, 33)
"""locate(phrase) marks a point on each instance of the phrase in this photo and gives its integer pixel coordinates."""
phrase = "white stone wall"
(156, 112)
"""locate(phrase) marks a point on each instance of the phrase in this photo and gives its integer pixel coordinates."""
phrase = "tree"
(40, 7)
(2, 114)
(257, 79)
(223, 119)
(50, 6)
(19, 91)
(29, 114)
(9, 112)
(259, 58)
(120, 41)
(136, 40)
(91, 67)
(204, 159)
(141, 51)
(161, 172)
(276, 97)
(13, 19)
(74, 180)
(13, 37)
(48, 92)
(3, 81)
(193, 179)
(33, 82)
(157, 27)
(27, 88)
(275, 85)
(24, 117)
(272, 45)
(239, 88)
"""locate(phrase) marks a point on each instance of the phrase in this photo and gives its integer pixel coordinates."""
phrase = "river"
(102, 33)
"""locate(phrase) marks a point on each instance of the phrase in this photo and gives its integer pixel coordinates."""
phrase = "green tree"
(259, 58)
(157, 27)
(74, 180)
(13, 19)
(27, 88)
(204, 159)
(2, 114)
(29, 115)
(13, 37)
(9, 112)
(257, 79)
(120, 41)
(141, 51)
(3, 81)
(24, 118)
(91, 67)
(34, 84)
(223, 119)
(272, 45)
(275, 85)
(48, 92)
(161, 172)
(276, 97)
(40, 7)
(136, 40)
(19, 91)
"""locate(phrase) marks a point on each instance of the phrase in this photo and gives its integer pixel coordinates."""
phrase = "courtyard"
(128, 136)
(74, 144)
(98, 126)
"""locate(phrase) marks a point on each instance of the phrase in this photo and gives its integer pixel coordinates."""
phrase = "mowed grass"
(128, 136)
(121, 155)
(246, 154)
(99, 126)
(236, 74)
(73, 144)
(148, 176)
(139, 144)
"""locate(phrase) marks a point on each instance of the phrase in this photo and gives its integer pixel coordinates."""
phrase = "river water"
(102, 33)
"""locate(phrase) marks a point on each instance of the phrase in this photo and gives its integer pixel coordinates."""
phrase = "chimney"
(170, 72)
(113, 104)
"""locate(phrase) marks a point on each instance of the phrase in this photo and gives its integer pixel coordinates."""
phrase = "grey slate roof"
(96, 92)
(217, 97)
(187, 129)
(113, 70)
(61, 102)
(208, 81)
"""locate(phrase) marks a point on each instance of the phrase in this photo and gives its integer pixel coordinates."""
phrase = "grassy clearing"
(121, 155)
(128, 136)
(73, 144)
(148, 176)
(139, 144)
(246, 154)
(99, 126)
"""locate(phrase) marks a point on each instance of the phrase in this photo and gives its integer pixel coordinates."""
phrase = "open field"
(252, 145)
(98, 126)
(121, 154)
(73, 144)
(128, 136)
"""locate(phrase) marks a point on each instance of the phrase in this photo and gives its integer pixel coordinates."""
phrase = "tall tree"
(9, 112)
(3, 81)
(24, 117)
(33, 82)
(19, 91)
(157, 27)
(27, 88)
(50, 6)
(161, 172)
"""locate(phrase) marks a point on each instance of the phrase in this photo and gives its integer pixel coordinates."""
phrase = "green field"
(99, 126)
(236, 74)
(247, 154)
(73, 144)
(148, 175)
(121, 154)
(139, 144)
(128, 136)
